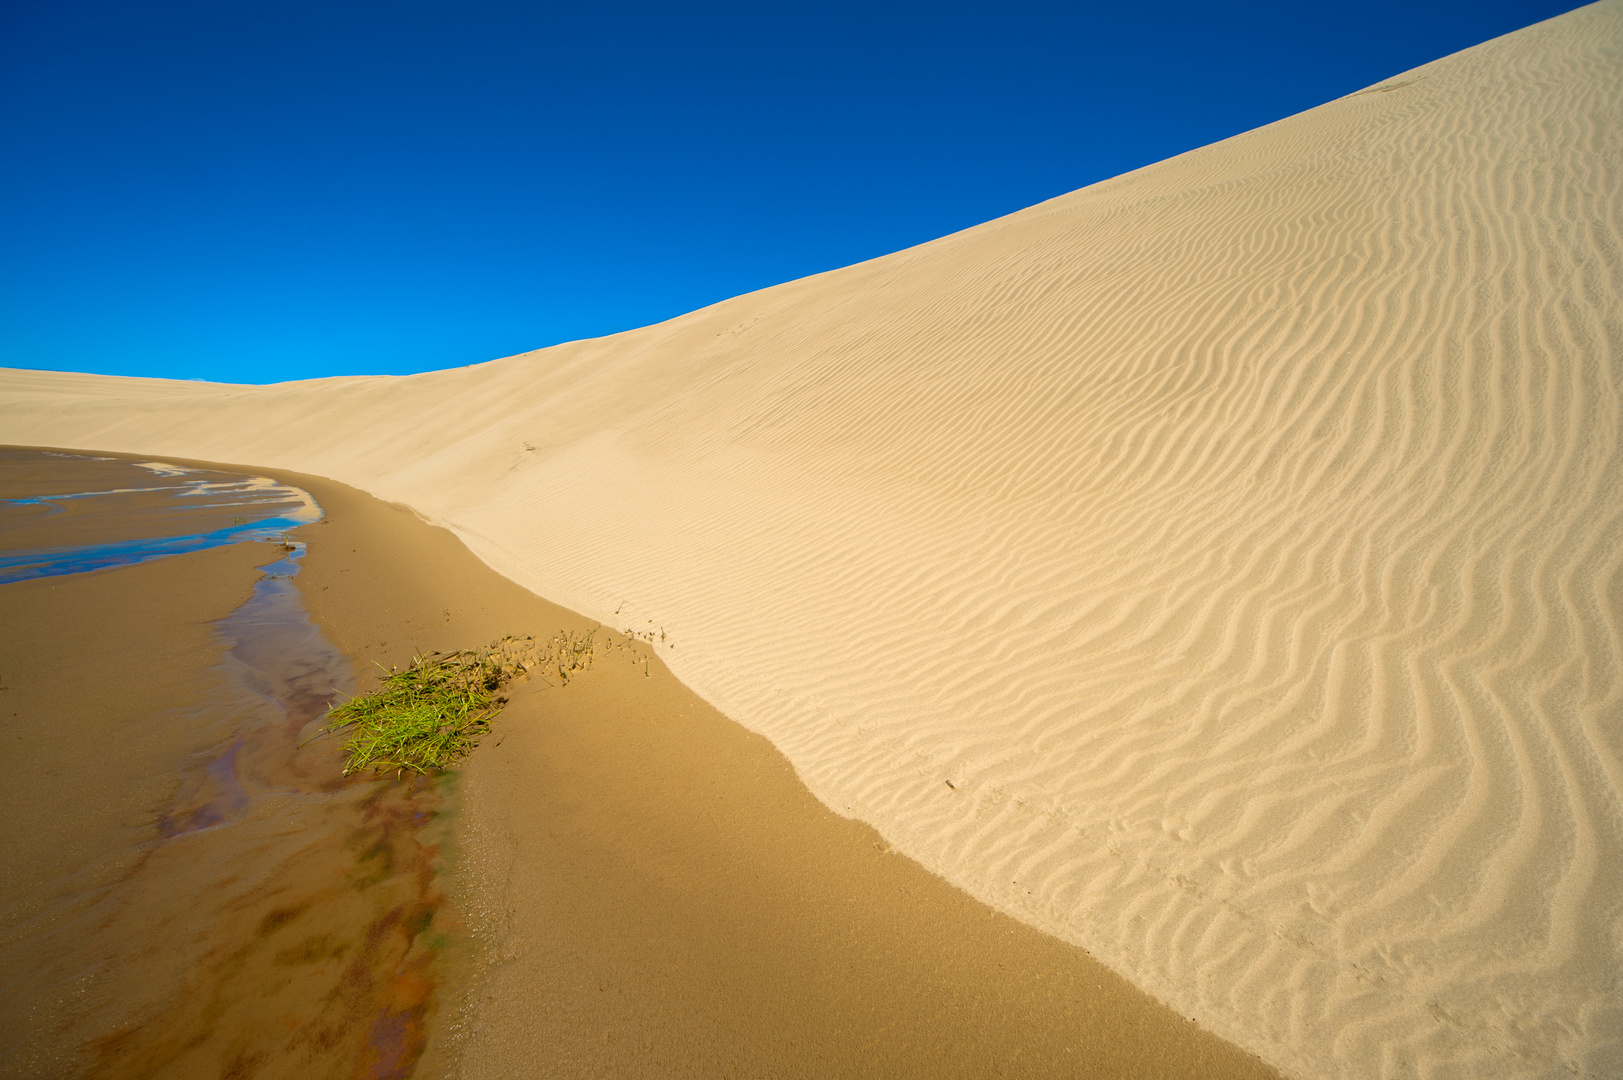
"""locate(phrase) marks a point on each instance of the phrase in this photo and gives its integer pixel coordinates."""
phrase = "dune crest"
(1219, 567)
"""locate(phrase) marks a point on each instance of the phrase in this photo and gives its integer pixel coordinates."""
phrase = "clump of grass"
(430, 714)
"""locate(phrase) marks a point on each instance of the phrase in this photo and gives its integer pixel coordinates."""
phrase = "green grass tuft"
(430, 714)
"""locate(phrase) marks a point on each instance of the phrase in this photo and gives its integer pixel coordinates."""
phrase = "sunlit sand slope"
(1220, 567)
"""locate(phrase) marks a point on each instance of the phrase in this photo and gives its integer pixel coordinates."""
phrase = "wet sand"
(87, 661)
(187, 893)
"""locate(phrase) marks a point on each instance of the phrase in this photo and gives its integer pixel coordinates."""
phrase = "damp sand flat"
(1238, 536)
(67, 513)
(185, 893)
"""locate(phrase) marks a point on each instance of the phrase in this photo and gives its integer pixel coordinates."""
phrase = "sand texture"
(650, 893)
(1219, 567)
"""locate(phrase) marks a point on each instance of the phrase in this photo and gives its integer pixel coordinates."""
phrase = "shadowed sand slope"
(1219, 567)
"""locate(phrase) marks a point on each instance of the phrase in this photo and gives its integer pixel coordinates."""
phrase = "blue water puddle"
(266, 509)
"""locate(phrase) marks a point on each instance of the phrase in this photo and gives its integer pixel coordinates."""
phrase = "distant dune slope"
(1219, 567)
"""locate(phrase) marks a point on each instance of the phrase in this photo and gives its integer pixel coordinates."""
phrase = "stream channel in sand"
(261, 915)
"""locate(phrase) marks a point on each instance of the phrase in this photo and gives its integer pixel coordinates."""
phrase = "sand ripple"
(1220, 567)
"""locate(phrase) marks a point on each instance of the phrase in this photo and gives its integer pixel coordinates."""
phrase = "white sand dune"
(1241, 538)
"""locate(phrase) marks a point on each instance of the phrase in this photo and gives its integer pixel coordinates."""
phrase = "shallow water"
(136, 510)
(277, 919)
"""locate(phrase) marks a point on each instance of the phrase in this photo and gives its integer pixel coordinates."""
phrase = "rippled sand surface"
(1219, 567)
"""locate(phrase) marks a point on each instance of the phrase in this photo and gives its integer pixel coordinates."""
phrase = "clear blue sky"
(250, 192)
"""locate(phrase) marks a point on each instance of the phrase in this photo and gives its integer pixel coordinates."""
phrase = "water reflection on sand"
(278, 919)
(186, 507)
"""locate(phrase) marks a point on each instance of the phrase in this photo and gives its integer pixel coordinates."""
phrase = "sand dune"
(1219, 567)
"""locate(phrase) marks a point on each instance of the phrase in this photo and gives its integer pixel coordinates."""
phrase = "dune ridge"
(1219, 567)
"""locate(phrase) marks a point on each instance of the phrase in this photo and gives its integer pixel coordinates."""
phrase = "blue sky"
(252, 192)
